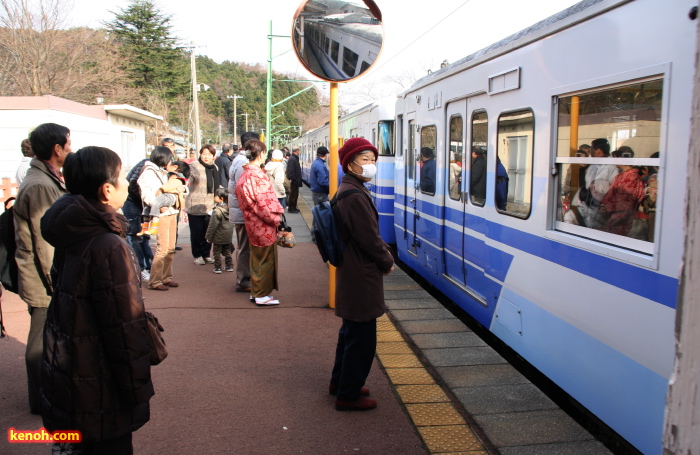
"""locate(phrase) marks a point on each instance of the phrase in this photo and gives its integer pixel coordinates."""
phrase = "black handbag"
(155, 340)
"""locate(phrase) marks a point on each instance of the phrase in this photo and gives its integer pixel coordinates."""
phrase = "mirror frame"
(376, 14)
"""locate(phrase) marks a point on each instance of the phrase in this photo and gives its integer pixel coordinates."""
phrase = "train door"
(454, 220)
(410, 188)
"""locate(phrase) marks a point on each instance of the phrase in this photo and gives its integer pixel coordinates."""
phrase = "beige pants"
(162, 266)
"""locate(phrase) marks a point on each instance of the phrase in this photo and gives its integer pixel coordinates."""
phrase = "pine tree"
(151, 56)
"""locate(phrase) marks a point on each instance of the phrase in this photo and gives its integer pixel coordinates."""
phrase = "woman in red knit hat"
(359, 294)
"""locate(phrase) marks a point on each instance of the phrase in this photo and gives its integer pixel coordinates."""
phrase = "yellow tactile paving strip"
(441, 427)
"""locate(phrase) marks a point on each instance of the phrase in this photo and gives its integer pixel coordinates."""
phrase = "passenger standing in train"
(236, 216)
(502, 180)
(360, 279)
(599, 177)
(428, 170)
(455, 179)
(652, 190)
(619, 205)
(319, 181)
(262, 213)
(477, 179)
(294, 176)
(576, 196)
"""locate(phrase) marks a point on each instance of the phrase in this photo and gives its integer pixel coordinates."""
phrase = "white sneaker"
(145, 275)
(199, 261)
(209, 260)
(266, 301)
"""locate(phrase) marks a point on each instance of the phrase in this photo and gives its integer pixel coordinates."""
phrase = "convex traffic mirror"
(337, 40)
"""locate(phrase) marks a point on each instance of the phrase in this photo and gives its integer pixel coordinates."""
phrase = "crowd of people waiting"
(83, 227)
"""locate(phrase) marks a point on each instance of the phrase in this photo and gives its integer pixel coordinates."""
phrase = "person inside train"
(651, 194)
(456, 176)
(574, 195)
(477, 180)
(428, 170)
(619, 205)
(599, 177)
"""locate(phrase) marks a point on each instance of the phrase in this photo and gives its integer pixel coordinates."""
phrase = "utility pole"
(235, 117)
(195, 101)
(246, 120)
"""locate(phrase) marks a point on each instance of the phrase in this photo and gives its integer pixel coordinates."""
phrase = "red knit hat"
(351, 148)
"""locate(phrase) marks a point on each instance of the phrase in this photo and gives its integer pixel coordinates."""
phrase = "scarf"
(212, 176)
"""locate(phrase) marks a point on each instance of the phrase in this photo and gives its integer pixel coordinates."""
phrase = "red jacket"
(259, 204)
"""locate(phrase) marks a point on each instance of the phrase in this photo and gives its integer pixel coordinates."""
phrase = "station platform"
(240, 379)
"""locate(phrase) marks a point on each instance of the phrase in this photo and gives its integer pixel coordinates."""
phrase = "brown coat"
(34, 256)
(96, 371)
(359, 294)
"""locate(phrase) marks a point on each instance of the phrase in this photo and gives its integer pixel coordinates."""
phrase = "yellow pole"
(573, 142)
(333, 176)
(573, 138)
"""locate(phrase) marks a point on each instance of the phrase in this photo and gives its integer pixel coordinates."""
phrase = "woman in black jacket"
(96, 374)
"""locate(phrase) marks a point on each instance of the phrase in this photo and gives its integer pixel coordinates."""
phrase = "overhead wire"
(374, 70)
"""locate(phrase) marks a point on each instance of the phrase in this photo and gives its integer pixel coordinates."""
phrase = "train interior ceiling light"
(337, 40)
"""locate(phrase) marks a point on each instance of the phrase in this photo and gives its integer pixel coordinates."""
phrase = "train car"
(571, 258)
(374, 122)
(344, 45)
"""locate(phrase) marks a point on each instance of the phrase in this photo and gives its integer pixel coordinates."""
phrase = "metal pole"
(333, 176)
(268, 121)
(235, 119)
(195, 102)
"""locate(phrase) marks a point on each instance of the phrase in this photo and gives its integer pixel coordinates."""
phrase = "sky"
(416, 38)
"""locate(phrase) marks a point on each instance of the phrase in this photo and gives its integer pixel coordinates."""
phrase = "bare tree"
(38, 56)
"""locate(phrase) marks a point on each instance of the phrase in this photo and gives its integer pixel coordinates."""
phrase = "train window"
(349, 62)
(386, 138)
(515, 141)
(335, 50)
(477, 170)
(455, 152)
(608, 144)
(364, 67)
(411, 153)
(327, 45)
(428, 166)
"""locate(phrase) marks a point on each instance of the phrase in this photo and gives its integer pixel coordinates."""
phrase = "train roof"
(346, 23)
(572, 15)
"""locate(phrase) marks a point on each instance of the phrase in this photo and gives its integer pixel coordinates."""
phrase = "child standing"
(220, 231)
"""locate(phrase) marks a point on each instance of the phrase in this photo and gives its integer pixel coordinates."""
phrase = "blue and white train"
(374, 122)
(568, 269)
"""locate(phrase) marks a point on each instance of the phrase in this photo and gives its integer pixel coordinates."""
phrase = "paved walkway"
(246, 380)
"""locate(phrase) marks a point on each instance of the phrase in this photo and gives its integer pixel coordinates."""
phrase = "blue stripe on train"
(658, 288)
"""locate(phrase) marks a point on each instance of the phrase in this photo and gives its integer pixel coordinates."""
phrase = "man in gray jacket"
(41, 187)
(236, 216)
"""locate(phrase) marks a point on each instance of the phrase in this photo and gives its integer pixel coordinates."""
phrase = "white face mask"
(368, 170)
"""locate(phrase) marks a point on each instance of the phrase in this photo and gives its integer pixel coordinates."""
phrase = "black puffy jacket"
(96, 374)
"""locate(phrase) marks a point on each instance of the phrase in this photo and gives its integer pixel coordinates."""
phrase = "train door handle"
(412, 201)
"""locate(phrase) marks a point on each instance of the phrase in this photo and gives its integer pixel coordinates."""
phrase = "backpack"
(134, 188)
(8, 246)
(326, 231)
